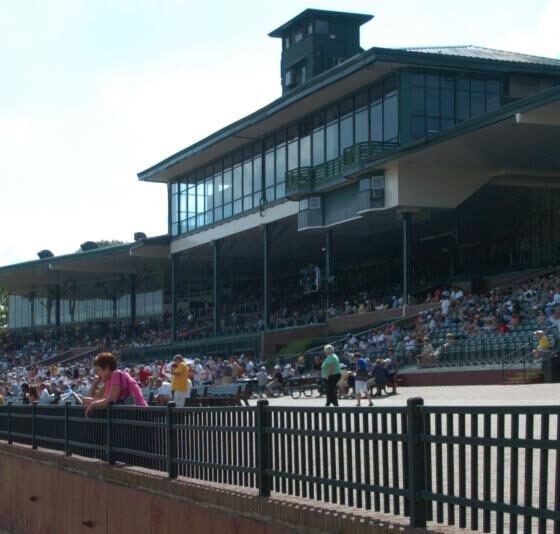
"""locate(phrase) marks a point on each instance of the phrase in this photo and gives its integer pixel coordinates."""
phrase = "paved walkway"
(510, 395)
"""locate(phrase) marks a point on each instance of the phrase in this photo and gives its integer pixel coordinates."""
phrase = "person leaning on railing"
(119, 387)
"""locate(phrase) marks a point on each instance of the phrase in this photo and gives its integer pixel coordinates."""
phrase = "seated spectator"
(426, 357)
(543, 345)
(343, 385)
(289, 371)
(391, 373)
(46, 397)
(163, 392)
(276, 383)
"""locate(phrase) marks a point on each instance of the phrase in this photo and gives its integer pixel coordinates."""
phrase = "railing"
(501, 463)
(520, 355)
(304, 180)
(449, 465)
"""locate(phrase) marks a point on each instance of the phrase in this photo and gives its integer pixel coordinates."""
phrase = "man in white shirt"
(163, 393)
(197, 369)
(45, 397)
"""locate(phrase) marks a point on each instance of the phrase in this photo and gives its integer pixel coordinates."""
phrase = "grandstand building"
(386, 170)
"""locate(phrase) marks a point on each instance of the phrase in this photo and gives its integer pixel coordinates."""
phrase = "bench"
(239, 391)
(392, 383)
(296, 387)
(219, 395)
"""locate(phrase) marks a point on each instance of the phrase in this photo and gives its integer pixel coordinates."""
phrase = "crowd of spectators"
(53, 382)
(459, 315)
(456, 315)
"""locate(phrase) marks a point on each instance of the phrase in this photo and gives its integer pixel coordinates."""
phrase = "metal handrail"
(523, 359)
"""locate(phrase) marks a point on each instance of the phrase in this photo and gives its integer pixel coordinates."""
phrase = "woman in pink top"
(119, 385)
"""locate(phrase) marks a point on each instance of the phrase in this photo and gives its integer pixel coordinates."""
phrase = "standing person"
(197, 371)
(119, 387)
(380, 375)
(330, 372)
(180, 381)
(361, 379)
(262, 379)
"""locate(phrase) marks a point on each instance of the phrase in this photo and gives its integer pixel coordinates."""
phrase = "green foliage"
(109, 243)
(3, 312)
(296, 346)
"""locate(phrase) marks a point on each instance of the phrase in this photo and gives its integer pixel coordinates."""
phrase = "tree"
(109, 243)
(3, 311)
(102, 243)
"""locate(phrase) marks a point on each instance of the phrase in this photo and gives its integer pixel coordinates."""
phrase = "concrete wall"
(43, 492)
(351, 323)
(465, 377)
(437, 188)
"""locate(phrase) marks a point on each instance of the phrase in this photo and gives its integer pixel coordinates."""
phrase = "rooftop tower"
(315, 41)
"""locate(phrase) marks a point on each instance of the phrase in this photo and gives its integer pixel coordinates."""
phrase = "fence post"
(171, 441)
(264, 449)
(416, 463)
(33, 429)
(109, 454)
(67, 451)
(10, 441)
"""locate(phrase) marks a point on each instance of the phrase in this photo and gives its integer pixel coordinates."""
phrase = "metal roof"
(481, 52)
(471, 57)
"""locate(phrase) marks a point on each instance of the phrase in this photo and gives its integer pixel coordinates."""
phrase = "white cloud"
(543, 41)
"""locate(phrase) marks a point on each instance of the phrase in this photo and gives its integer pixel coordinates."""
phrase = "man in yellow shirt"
(180, 383)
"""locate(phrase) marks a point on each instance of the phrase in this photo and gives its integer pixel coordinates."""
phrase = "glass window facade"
(99, 300)
(441, 99)
(244, 180)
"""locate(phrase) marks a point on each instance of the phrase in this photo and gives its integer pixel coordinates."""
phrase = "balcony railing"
(305, 180)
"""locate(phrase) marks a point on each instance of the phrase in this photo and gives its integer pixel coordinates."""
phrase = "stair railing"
(508, 363)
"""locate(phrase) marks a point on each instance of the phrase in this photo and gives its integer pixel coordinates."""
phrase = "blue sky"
(92, 92)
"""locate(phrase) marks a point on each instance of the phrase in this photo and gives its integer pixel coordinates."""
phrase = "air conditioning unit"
(314, 203)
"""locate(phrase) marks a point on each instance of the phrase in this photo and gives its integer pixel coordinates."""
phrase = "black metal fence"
(495, 469)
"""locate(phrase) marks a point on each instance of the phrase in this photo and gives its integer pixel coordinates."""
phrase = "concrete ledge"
(54, 479)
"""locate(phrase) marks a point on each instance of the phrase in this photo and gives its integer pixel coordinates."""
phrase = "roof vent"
(139, 235)
(88, 245)
(44, 254)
